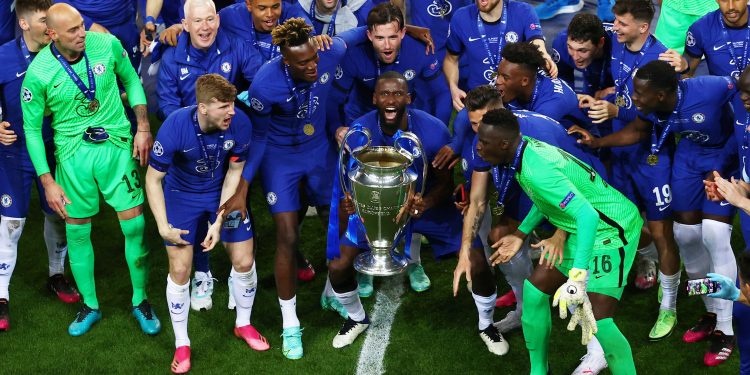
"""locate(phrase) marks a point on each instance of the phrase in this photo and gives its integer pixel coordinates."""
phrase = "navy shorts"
(194, 211)
(16, 176)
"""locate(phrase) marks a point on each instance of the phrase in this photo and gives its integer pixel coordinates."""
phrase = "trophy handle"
(344, 147)
(411, 156)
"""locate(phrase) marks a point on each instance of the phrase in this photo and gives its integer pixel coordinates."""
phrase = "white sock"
(716, 237)
(694, 256)
(669, 285)
(57, 244)
(594, 347)
(328, 289)
(10, 233)
(485, 309)
(353, 305)
(244, 285)
(649, 252)
(415, 251)
(178, 302)
(517, 270)
(289, 312)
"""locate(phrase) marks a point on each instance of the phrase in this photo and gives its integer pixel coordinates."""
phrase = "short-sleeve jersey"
(435, 15)
(596, 76)
(720, 44)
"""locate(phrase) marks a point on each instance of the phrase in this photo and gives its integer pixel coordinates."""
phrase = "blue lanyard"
(535, 94)
(620, 79)
(204, 149)
(297, 101)
(377, 61)
(730, 45)
(89, 92)
(675, 116)
(494, 59)
(398, 131)
(503, 183)
(273, 51)
(331, 25)
(25, 52)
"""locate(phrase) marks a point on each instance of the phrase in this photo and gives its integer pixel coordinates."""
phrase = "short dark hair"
(743, 266)
(480, 97)
(26, 7)
(641, 10)
(525, 54)
(502, 119)
(586, 27)
(659, 74)
(392, 74)
(213, 86)
(385, 13)
(292, 33)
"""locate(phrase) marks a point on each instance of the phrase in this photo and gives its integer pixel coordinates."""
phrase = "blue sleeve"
(357, 35)
(694, 40)
(243, 133)
(565, 72)
(455, 44)
(166, 87)
(251, 61)
(432, 73)
(260, 117)
(294, 10)
(165, 146)
(461, 130)
(532, 26)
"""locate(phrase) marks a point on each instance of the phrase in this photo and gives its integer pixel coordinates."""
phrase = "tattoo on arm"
(477, 220)
(141, 115)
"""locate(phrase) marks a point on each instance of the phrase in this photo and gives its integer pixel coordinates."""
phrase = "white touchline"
(387, 301)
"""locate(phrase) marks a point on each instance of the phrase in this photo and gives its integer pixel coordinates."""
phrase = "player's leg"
(645, 276)
(741, 316)
(616, 347)
(537, 318)
(203, 283)
(178, 301)
(484, 293)
(344, 283)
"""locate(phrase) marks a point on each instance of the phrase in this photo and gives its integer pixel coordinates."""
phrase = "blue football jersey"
(194, 161)
(105, 13)
(7, 21)
(721, 45)
(596, 76)
(435, 15)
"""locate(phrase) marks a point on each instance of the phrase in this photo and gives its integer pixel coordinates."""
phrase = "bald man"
(75, 77)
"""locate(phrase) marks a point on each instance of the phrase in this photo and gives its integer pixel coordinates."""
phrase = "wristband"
(149, 19)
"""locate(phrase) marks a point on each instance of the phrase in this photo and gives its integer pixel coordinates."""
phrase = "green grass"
(433, 332)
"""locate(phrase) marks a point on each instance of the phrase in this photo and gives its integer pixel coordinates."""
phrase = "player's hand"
(552, 250)
(710, 187)
(56, 198)
(147, 37)
(458, 96)
(237, 202)
(322, 42)
(7, 136)
(674, 58)
(423, 35)
(585, 101)
(727, 289)
(214, 233)
(170, 34)
(340, 133)
(505, 249)
(550, 67)
(733, 190)
(98, 28)
(603, 93)
(573, 292)
(586, 138)
(347, 205)
(462, 268)
(602, 110)
(464, 204)
(583, 315)
(245, 98)
(417, 206)
(173, 236)
(446, 157)
(142, 143)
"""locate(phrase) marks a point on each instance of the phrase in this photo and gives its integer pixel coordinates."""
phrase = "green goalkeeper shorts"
(99, 167)
(608, 268)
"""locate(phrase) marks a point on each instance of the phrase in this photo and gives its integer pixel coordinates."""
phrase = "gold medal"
(498, 210)
(308, 129)
(93, 105)
(652, 159)
(620, 101)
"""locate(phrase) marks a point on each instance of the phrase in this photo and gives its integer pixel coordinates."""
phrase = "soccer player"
(585, 46)
(16, 171)
(675, 18)
(289, 125)
(433, 214)
(699, 111)
(435, 15)
(646, 184)
(216, 139)
(603, 227)
(478, 33)
(524, 87)
(386, 48)
(75, 79)
(323, 13)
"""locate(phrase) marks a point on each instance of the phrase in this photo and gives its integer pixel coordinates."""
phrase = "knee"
(478, 262)
(338, 267)
(243, 264)
(286, 238)
(179, 273)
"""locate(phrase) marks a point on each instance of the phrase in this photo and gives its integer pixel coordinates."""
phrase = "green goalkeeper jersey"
(47, 88)
(574, 198)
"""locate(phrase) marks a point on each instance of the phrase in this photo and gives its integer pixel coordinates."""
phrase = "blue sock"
(200, 259)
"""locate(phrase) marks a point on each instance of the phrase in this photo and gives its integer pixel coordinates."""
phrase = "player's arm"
(167, 86)
(442, 97)
(450, 68)
(155, 194)
(551, 66)
(692, 66)
(440, 191)
(231, 181)
(472, 221)
(634, 132)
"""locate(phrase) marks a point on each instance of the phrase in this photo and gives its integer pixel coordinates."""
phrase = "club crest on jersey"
(228, 144)
(690, 39)
(256, 104)
(489, 75)
(226, 67)
(699, 118)
(6, 200)
(409, 74)
(339, 72)
(511, 37)
(324, 78)
(158, 149)
(438, 10)
(567, 200)
(26, 95)
(99, 69)
(464, 165)
(271, 198)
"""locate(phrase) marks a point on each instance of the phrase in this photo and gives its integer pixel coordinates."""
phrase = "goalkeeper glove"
(727, 290)
(583, 315)
(573, 292)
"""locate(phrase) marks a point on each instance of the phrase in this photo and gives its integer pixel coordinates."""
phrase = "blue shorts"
(647, 186)
(16, 176)
(194, 211)
(130, 38)
(691, 165)
(283, 171)
(441, 225)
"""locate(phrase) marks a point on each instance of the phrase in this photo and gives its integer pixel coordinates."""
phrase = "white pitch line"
(387, 301)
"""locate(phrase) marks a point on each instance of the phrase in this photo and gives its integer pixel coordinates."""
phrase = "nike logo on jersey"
(55, 86)
(599, 276)
(716, 48)
(368, 79)
(19, 75)
(289, 99)
(474, 39)
(663, 208)
(188, 150)
(723, 203)
(182, 78)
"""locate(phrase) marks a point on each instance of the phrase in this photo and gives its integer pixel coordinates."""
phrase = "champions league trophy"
(381, 186)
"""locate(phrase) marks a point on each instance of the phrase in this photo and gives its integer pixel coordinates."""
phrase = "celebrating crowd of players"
(580, 142)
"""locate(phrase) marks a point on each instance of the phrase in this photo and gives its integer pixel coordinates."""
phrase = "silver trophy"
(381, 185)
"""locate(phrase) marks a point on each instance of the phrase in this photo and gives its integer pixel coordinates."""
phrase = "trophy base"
(379, 264)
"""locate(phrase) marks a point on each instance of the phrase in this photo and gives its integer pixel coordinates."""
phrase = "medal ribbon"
(503, 183)
(89, 92)
(273, 51)
(297, 100)
(494, 59)
(331, 25)
(204, 149)
(25, 51)
(739, 63)
(656, 144)
(622, 80)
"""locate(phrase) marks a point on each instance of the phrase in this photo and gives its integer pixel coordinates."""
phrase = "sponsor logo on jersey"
(567, 200)
(271, 198)
(226, 67)
(6, 200)
(26, 95)
(228, 144)
(99, 69)
(511, 37)
(158, 149)
(409, 74)
(698, 118)
(256, 104)
(535, 26)
(324, 78)
(184, 71)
